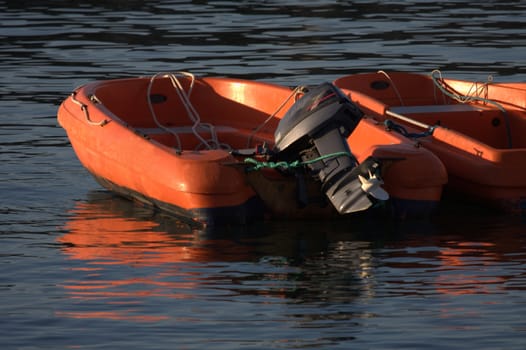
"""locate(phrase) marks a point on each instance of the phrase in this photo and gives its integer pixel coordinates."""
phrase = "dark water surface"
(82, 269)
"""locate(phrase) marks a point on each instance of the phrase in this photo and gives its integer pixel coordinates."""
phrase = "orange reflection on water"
(112, 239)
(456, 266)
(111, 315)
(99, 289)
(130, 261)
(464, 265)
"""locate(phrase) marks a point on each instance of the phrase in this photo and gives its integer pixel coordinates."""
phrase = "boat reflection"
(465, 267)
(108, 230)
(129, 263)
(468, 257)
(125, 257)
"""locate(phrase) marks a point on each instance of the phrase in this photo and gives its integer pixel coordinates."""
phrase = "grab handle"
(84, 108)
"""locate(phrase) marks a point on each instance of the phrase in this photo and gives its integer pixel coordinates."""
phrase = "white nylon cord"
(192, 113)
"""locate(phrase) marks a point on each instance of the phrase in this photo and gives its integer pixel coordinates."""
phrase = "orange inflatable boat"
(477, 129)
(222, 151)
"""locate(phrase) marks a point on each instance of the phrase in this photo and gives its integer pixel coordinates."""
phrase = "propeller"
(372, 186)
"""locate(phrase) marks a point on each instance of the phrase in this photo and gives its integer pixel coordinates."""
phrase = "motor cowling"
(315, 131)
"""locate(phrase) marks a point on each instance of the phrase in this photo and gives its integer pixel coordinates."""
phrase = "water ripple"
(86, 269)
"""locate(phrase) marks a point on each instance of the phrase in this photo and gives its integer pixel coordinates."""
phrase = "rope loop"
(477, 92)
(192, 113)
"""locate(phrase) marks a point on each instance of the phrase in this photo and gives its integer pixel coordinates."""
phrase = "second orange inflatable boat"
(220, 150)
(477, 129)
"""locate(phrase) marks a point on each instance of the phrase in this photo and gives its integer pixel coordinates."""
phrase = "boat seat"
(452, 108)
(235, 137)
(185, 130)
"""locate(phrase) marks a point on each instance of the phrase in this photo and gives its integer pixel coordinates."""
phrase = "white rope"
(190, 110)
(393, 85)
(193, 115)
(152, 111)
(477, 91)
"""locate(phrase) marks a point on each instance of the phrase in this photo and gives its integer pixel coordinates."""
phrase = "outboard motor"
(315, 130)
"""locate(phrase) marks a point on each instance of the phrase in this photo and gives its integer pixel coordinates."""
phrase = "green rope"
(257, 165)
